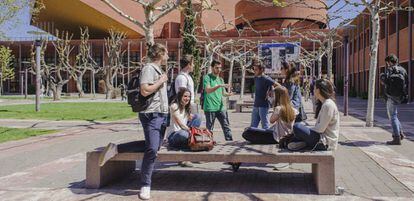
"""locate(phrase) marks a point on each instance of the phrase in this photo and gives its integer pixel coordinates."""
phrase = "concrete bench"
(239, 106)
(123, 164)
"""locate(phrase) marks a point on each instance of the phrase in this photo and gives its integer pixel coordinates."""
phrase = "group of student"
(288, 112)
(176, 119)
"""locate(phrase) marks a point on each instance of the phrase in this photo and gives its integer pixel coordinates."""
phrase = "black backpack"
(136, 100)
(396, 85)
(172, 93)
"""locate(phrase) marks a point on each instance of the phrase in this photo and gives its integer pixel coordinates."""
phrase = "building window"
(391, 23)
(402, 19)
(382, 29)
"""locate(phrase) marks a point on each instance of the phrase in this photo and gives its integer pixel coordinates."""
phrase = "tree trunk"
(329, 55)
(57, 91)
(79, 85)
(242, 81)
(320, 66)
(109, 86)
(93, 83)
(375, 27)
(1, 84)
(149, 36)
(230, 82)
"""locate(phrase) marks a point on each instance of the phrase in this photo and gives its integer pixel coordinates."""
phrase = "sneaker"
(109, 152)
(186, 164)
(402, 135)
(394, 141)
(295, 146)
(145, 192)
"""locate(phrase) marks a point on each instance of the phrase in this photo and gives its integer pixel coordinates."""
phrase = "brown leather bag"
(201, 139)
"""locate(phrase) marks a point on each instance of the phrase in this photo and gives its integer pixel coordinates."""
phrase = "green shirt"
(213, 102)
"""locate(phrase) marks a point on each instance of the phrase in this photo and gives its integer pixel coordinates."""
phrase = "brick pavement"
(53, 168)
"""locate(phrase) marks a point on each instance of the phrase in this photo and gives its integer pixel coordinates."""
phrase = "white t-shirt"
(182, 116)
(184, 80)
(282, 128)
(327, 123)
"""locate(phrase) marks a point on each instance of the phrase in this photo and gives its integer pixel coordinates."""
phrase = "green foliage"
(11, 8)
(340, 86)
(9, 134)
(363, 95)
(279, 3)
(6, 59)
(190, 42)
(103, 111)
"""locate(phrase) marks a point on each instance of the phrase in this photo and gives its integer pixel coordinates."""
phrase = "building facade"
(396, 37)
(266, 22)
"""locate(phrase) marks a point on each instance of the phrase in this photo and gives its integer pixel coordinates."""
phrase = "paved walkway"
(52, 167)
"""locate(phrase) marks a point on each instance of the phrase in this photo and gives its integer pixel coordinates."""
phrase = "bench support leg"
(324, 176)
(98, 176)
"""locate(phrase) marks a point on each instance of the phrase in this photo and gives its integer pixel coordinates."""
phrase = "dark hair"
(291, 70)
(326, 90)
(215, 62)
(257, 62)
(187, 59)
(180, 94)
(156, 51)
(392, 59)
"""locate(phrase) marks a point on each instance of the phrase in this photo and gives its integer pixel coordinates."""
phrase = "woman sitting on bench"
(324, 135)
(181, 120)
(282, 119)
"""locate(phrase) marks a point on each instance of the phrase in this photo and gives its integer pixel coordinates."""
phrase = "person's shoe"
(296, 146)
(145, 193)
(402, 136)
(395, 141)
(109, 152)
(186, 164)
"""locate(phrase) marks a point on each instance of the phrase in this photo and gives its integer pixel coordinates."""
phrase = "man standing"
(395, 79)
(263, 86)
(214, 90)
(184, 80)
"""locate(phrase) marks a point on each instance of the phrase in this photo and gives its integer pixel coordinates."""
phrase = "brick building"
(98, 17)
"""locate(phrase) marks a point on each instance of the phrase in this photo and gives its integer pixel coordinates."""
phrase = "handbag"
(201, 139)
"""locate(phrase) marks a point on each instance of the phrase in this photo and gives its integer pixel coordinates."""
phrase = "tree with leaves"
(6, 65)
(190, 42)
(11, 8)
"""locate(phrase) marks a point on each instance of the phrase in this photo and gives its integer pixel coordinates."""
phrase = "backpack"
(172, 93)
(396, 85)
(135, 99)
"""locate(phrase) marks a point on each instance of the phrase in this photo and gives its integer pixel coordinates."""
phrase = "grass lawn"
(32, 97)
(69, 111)
(9, 134)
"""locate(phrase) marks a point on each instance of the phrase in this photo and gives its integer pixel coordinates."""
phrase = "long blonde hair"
(287, 114)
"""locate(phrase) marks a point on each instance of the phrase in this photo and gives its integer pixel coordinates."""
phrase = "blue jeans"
(392, 115)
(260, 114)
(310, 137)
(154, 127)
(224, 122)
(179, 139)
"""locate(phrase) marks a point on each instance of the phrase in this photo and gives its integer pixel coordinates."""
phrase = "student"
(181, 120)
(324, 135)
(214, 90)
(263, 84)
(153, 119)
(393, 67)
(282, 119)
(291, 83)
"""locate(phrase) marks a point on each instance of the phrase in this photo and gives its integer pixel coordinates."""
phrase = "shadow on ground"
(246, 180)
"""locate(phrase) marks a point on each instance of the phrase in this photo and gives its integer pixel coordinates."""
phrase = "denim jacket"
(294, 93)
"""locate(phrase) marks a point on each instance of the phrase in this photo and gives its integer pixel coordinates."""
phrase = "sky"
(21, 25)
